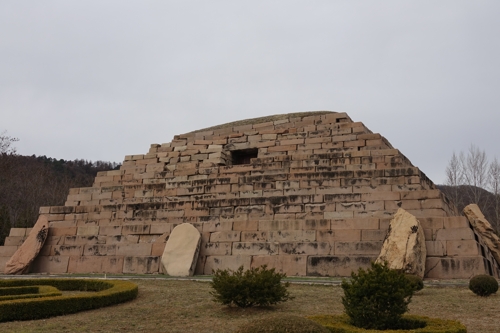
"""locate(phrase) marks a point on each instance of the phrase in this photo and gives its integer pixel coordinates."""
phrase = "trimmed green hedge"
(11, 293)
(18, 290)
(102, 293)
(340, 324)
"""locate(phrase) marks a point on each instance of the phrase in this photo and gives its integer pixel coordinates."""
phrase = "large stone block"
(357, 248)
(454, 268)
(292, 265)
(305, 248)
(8, 251)
(95, 264)
(141, 265)
(292, 236)
(404, 246)
(66, 250)
(213, 263)
(337, 265)
(139, 249)
(99, 250)
(21, 260)
(18, 232)
(356, 224)
(50, 264)
(344, 235)
(462, 248)
(435, 248)
(216, 249)
(258, 248)
(225, 236)
(181, 252)
(484, 229)
(454, 234)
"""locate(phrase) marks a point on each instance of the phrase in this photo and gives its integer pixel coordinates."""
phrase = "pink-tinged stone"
(20, 262)
(484, 229)
(404, 246)
(181, 252)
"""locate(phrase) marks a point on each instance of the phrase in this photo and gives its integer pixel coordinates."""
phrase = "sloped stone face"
(484, 229)
(404, 245)
(305, 193)
(20, 262)
(181, 252)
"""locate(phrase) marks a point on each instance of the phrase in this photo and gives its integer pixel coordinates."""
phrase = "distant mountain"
(464, 195)
(30, 182)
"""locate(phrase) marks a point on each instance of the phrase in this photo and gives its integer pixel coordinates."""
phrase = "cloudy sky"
(99, 80)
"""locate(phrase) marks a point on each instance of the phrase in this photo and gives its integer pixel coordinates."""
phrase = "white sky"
(99, 80)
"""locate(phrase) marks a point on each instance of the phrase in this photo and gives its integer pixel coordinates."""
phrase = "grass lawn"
(186, 306)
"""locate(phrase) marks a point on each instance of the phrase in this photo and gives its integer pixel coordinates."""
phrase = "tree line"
(472, 178)
(30, 182)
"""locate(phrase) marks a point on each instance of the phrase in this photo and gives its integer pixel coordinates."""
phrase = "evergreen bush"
(377, 298)
(257, 286)
(416, 282)
(483, 285)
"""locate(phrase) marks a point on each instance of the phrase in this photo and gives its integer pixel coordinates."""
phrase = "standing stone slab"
(404, 245)
(20, 262)
(484, 229)
(181, 252)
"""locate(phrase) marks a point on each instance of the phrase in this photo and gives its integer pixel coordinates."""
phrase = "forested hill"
(30, 182)
(464, 195)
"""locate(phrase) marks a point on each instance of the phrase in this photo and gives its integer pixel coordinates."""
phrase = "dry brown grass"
(186, 306)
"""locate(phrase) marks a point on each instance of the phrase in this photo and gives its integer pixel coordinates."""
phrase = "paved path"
(296, 280)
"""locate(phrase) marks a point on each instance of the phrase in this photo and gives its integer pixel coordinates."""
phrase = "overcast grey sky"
(99, 80)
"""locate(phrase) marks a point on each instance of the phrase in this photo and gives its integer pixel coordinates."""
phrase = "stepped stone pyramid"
(306, 193)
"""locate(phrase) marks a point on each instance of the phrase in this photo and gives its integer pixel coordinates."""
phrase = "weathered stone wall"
(317, 200)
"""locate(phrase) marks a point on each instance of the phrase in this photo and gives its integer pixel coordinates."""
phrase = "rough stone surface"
(308, 193)
(181, 252)
(404, 245)
(484, 229)
(20, 262)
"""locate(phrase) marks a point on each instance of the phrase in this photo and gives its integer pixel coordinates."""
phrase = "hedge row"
(7, 291)
(103, 293)
(340, 324)
(28, 292)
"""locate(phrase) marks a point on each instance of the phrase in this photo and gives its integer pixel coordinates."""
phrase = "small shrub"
(257, 286)
(282, 324)
(416, 282)
(377, 298)
(483, 285)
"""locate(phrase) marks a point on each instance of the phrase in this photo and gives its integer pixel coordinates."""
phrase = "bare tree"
(454, 178)
(6, 143)
(469, 178)
(475, 172)
(494, 186)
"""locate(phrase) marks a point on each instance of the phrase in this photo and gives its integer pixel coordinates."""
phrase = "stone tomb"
(306, 193)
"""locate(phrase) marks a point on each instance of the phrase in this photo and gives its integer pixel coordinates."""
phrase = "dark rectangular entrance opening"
(243, 156)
